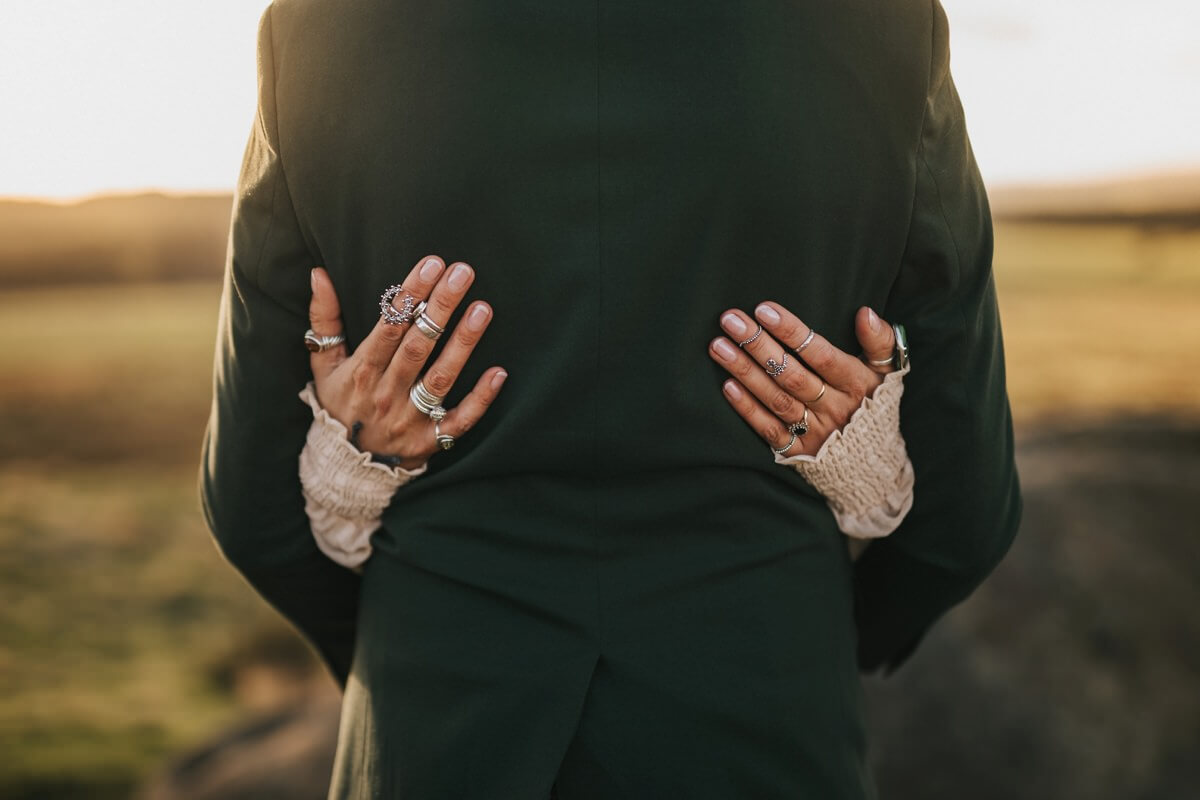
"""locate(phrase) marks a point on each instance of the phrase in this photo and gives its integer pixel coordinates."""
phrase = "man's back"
(618, 174)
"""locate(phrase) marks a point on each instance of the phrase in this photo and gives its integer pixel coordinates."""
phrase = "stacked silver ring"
(392, 315)
(425, 324)
(427, 402)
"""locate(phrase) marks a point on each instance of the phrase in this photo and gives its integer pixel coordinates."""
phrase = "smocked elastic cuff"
(338, 475)
(863, 470)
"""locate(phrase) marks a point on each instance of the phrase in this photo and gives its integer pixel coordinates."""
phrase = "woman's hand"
(372, 385)
(819, 387)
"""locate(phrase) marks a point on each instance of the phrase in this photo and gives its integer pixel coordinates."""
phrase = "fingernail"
(458, 278)
(724, 349)
(732, 390)
(312, 278)
(733, 323)
(498, 380)
(430, 269)
(767, 314)
(873, 319)
(477, 317)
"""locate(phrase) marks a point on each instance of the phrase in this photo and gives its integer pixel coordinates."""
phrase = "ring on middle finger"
(775, 368)
(425, 324)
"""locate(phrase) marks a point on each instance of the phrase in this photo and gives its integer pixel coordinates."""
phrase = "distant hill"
(119, 238)
(156, 237)
(1168, 199)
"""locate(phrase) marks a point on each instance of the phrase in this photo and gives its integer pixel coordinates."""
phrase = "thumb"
(876, 338)
(325, 318)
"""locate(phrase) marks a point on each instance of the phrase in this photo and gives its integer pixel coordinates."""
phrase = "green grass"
(120, 619)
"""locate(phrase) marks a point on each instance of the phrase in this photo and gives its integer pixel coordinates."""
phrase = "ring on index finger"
(319, 344)
(392, 315)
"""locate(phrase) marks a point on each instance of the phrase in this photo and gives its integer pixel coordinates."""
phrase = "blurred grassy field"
(123, 631)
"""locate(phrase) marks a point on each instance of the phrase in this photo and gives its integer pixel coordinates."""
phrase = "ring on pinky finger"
(780, 451)
(758, 417)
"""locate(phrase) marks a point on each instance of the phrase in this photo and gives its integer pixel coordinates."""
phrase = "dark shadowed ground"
(1071, 673)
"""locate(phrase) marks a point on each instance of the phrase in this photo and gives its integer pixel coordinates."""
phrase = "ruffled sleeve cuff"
(863, 470)
(345, 492)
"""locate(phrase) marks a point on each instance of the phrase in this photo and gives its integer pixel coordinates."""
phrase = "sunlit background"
(126, 643)
(129, 95)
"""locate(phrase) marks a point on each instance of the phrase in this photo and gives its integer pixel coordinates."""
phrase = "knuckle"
(771, 432)
(382, 402)
(413, 351)
(839, 416)
(443, 304)
(391, 333)
(437, 382)
(780, 402)
(362, 376)
(466, 338)
(821, 358)
(790, 330)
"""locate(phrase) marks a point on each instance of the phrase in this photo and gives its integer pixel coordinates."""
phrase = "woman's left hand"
(774, 388)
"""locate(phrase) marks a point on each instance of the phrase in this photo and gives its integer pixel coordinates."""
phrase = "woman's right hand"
(371, 386)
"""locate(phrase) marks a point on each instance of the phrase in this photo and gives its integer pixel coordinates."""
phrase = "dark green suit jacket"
(618, 174)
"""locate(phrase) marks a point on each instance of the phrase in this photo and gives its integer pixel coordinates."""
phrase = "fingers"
(325, 319)
(381, 343)
(415, 347)
(467, 413)
(444, 371)
(770, 427)
(841, 370)
(764, 352)
(876, 338)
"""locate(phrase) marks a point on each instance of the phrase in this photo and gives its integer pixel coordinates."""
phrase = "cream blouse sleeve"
(345, 492)
(862, 470)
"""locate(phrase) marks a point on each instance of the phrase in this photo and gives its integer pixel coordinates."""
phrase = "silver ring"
(444, 440)
(899, 358)
(426, 401)
(319, 344)
(392, 315)
(775, 368)
(757, 334)
(901, 354)
(781, 450)
(425, 324)
(820, 394)
(807, 341)
(437, 413)
(799, 428)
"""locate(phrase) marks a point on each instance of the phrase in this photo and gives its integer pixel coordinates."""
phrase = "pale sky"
(125, 95)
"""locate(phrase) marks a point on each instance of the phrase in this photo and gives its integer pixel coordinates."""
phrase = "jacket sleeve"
(955, 414)
(249, 476)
